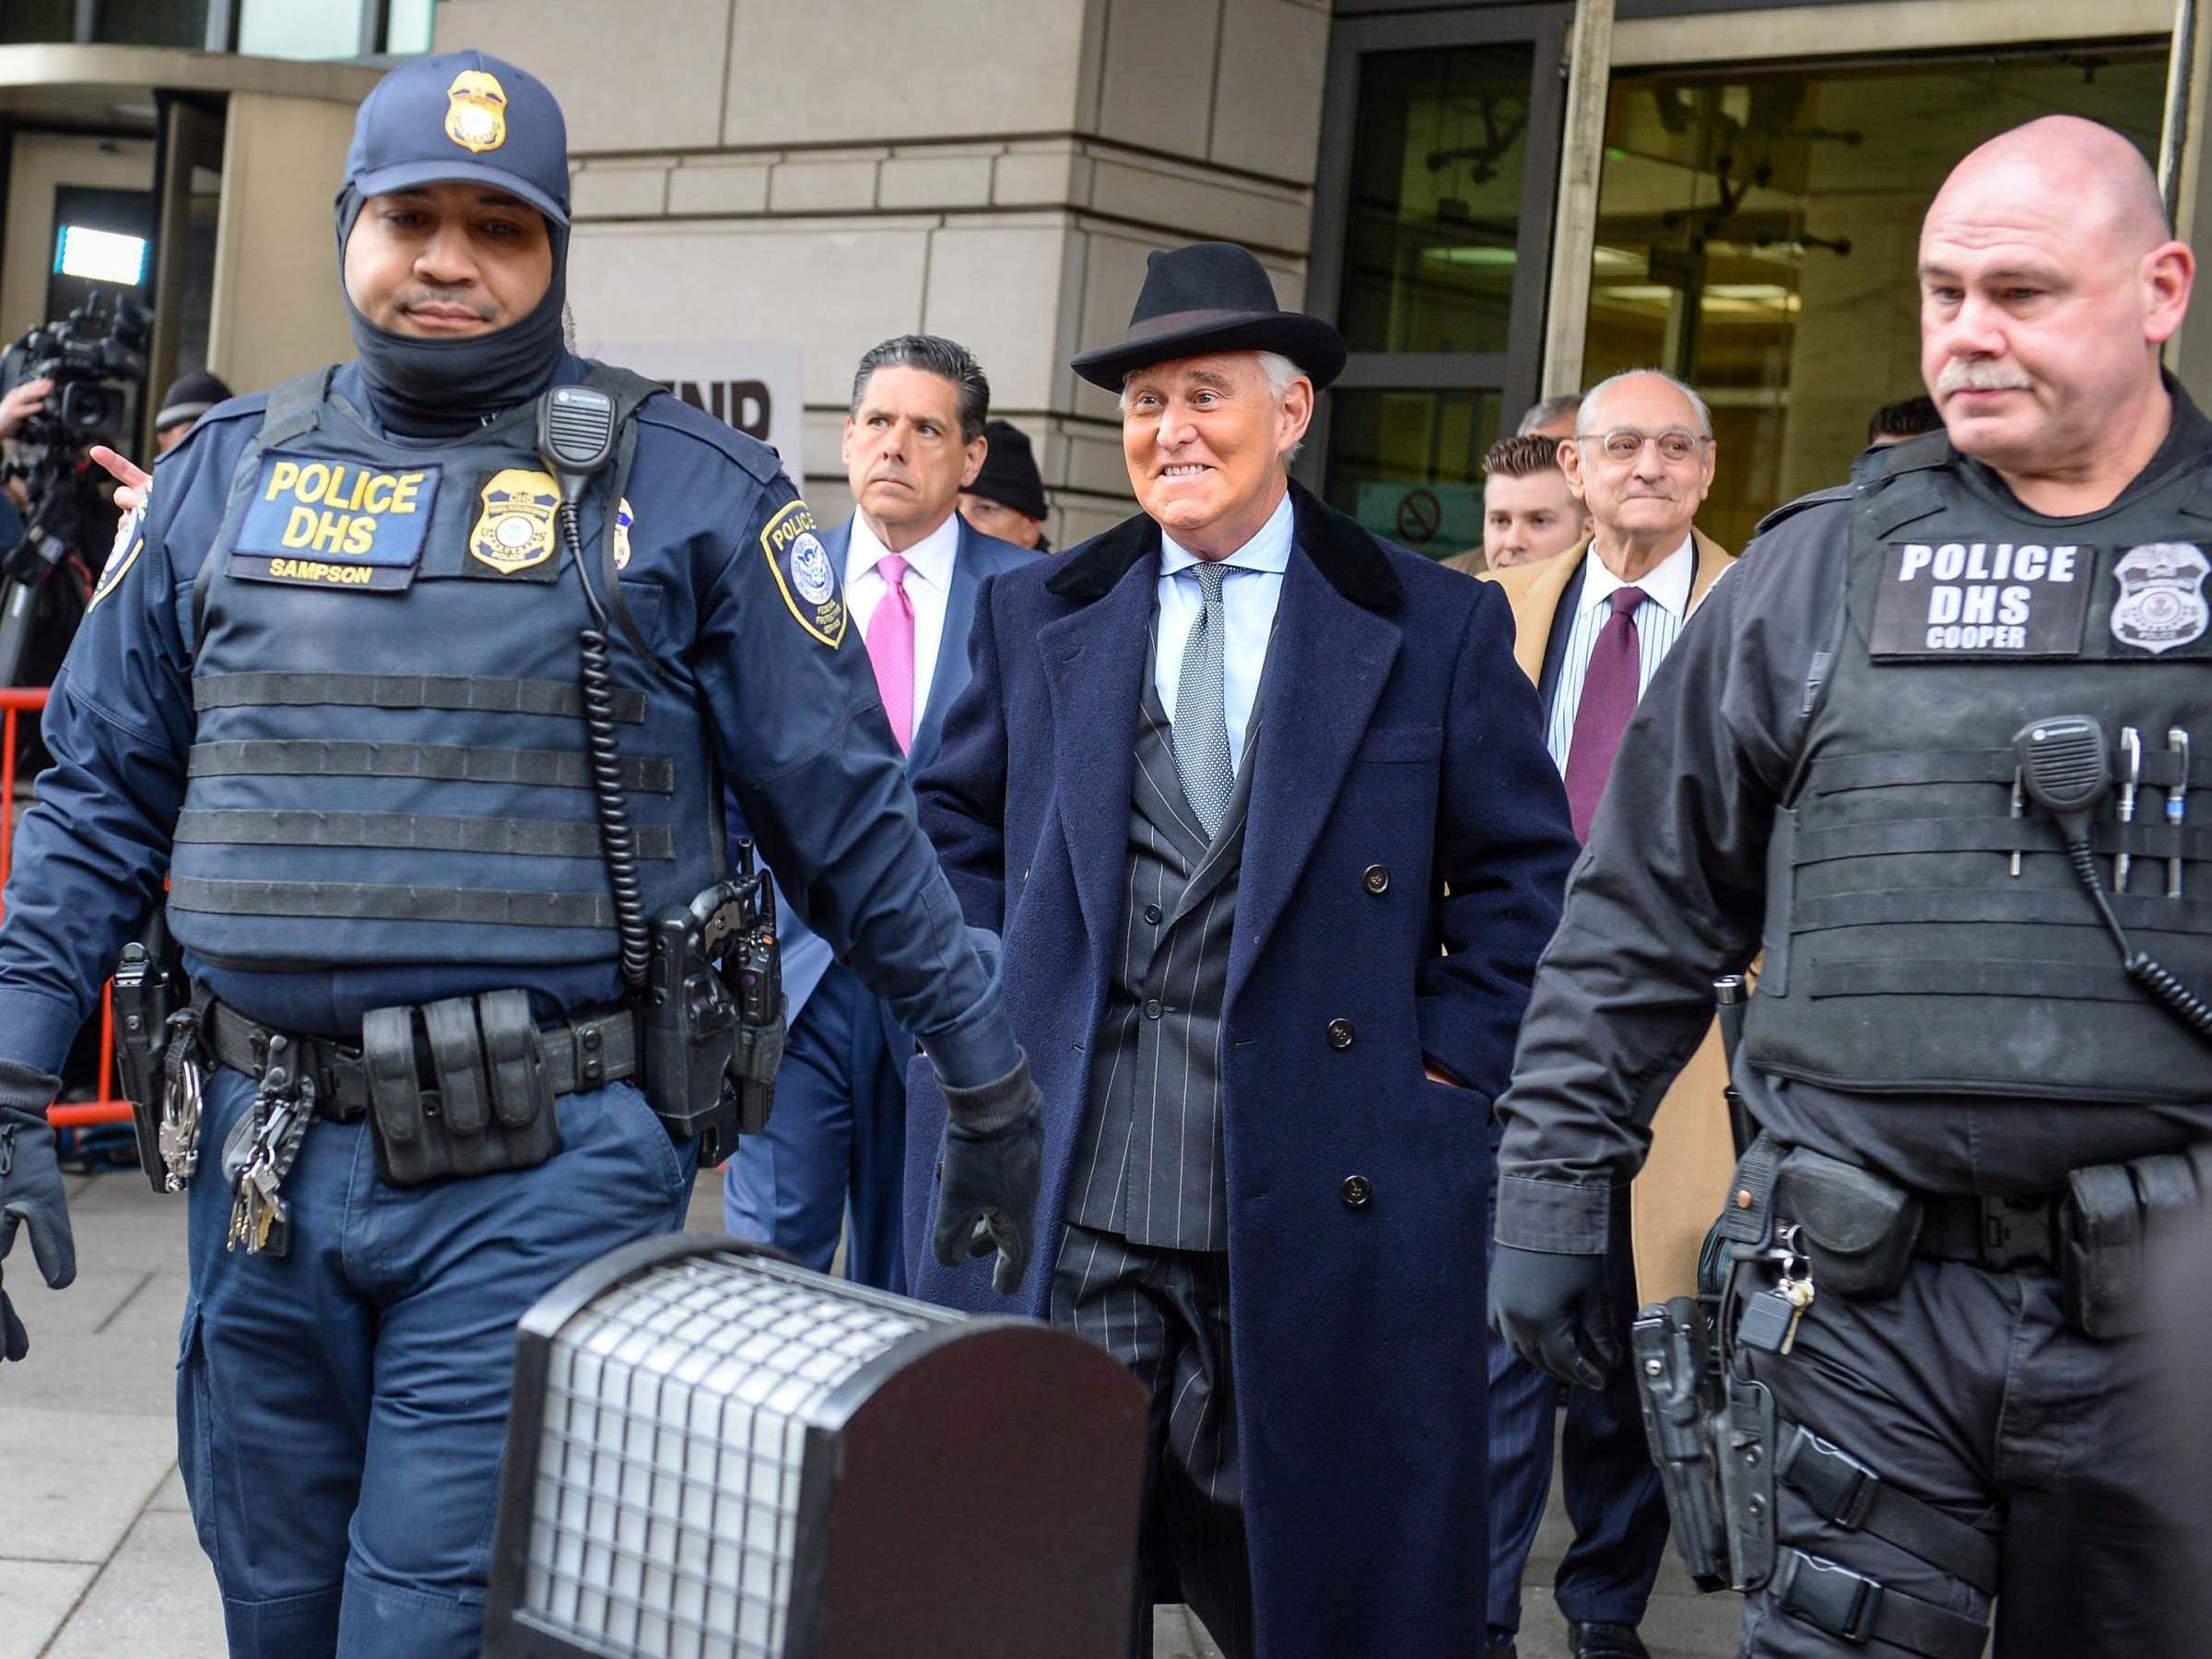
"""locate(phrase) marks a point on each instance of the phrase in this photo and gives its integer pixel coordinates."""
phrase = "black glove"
(987, 1184)
(1553, 1311)
(31, 1191)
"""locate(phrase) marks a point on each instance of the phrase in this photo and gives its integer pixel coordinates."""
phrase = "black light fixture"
(716, 1455)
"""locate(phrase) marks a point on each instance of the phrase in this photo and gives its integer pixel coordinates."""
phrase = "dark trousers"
(1966, 1391)
(836, 1143)
(1164, 1313)
(341, 1409)
(1612, 1493)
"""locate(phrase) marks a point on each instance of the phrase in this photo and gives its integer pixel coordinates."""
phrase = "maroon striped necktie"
(1608, 698)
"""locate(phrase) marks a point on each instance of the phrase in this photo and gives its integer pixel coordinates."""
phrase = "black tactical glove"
(31, 1190)
(987, 1184)
(1552, 1309)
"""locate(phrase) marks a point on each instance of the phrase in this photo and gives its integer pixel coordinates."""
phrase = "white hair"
(1697, 404)
(1274, 368)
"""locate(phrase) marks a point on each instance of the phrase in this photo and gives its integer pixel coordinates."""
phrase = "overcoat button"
(1377, 878)
(1152, 1009)
(1340, 1033)
(1152, 914)
(1357, 1191)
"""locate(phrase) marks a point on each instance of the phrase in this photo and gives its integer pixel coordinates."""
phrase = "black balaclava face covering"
(442, 388)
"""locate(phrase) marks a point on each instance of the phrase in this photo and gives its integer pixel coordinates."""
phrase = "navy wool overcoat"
(1400, 751)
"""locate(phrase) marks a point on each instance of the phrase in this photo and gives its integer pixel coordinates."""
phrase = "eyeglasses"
(1624, 445)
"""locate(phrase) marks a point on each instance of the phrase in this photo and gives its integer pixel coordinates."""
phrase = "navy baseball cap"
(462, 117)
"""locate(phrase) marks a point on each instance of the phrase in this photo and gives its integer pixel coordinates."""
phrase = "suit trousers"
(1967, 1390)
(1613, 1494)
(1164, 1313)
(836, 1142)
(341, 1409)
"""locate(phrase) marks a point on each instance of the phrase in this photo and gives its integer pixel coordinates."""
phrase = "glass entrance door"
(1758, 227)
(1431, 241)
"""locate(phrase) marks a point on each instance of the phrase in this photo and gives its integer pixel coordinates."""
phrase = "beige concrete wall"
(43, 162)
(837, 171)
(276, 311)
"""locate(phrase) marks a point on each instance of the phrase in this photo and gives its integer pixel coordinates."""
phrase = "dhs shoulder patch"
(802, 572)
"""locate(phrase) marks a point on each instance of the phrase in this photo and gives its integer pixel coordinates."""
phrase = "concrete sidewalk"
(98, 1556)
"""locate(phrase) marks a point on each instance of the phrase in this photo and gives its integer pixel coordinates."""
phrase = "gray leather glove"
(1552, 1309)
(987, 1184)
(31, 1191)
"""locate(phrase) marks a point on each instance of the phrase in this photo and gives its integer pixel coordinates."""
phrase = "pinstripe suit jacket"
(1401, 755)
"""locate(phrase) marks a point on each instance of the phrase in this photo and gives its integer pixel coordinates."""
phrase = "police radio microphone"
(2067, 770)
(576, 432)
(575, 435)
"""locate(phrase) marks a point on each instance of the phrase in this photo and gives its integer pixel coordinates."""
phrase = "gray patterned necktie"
(1201, 720)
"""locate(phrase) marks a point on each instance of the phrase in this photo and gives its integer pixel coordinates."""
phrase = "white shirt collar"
(1666, 583)
(1269, 548)
(930, 559)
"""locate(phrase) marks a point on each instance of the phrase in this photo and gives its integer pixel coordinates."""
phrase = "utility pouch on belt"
(489, 1105)
(1856, 1228)
(2112, 1214)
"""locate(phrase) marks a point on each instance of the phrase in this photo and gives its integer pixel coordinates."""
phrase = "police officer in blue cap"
(419, 680)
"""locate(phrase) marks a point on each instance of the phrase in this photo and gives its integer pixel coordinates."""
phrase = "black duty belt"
(580, 1053)
(1997, 1233)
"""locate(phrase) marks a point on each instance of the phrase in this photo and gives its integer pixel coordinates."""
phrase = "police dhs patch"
(802, 572)
(2161, 602)
(515, 530)
(1980, 601)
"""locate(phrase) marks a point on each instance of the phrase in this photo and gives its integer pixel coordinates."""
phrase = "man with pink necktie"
(912, 568)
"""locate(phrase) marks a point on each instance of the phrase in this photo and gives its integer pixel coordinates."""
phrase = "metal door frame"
(1512, 373)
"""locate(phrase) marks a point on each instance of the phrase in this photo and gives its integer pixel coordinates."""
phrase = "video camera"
(93, 360)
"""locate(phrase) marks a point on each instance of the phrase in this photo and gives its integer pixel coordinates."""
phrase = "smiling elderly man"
(1261, 807)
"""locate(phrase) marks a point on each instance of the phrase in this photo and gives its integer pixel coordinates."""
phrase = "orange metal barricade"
(15, 702)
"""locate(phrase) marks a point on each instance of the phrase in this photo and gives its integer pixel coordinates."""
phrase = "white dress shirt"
(1658, 621)
(928, 589)
(1248, 596)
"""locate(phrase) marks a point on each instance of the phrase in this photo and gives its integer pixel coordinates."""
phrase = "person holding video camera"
(420, 680)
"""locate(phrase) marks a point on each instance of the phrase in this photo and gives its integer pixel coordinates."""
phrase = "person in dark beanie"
(426, 719)
(192, 396)
(1008, 496)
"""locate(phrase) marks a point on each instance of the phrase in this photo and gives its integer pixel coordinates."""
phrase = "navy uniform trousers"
(1612, 1491)
(341, 1409)
(836, 1142)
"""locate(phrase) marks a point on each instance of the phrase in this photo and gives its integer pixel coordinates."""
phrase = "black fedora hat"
(1211, 296)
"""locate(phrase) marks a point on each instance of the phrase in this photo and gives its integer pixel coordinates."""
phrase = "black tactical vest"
(1902, 953)
(390, 765)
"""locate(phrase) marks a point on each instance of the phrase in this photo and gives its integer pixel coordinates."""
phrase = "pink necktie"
(1608, 698)
(891, 649)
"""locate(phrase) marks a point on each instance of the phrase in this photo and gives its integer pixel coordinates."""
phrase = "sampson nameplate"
(318, 523)
(1980, 600)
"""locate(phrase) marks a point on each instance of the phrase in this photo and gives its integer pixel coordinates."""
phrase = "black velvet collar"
(1339, 546)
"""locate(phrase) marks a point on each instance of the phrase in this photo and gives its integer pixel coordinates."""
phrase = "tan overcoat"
(1685, 1181)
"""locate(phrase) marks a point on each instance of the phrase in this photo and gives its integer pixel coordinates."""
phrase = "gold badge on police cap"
(514, 530)
(476, 111)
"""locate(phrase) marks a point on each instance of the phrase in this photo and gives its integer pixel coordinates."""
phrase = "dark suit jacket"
(1401, 752)
(980, 557)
